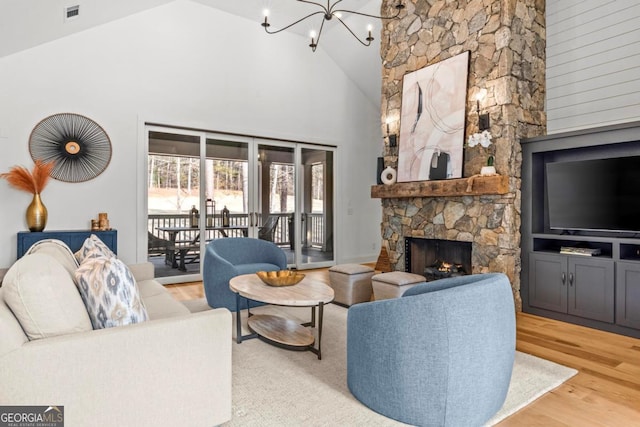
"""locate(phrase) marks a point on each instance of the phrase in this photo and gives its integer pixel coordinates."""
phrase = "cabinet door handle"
(570, 279)
(564, 278)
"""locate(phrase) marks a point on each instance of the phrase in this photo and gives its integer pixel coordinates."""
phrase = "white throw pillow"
(109, 292)
(93, 247)
(42, 296)
(57, 249)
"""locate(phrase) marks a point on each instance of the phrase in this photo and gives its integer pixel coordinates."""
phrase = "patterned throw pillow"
(93, 247)
(109, 292)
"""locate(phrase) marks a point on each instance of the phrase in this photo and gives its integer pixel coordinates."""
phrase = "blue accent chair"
(441, 355)
(230, 257)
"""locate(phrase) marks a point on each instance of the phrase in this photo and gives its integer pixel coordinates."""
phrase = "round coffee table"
(286, 332)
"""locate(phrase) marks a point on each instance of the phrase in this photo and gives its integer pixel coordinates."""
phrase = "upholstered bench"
(394, 284)
(351, 283)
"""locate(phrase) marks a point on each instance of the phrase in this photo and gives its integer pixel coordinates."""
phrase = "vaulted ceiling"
(28, 23)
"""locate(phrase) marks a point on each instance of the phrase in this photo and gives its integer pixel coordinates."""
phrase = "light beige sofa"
(173, 369)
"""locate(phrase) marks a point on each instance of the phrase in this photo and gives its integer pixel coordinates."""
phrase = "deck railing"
(312, 227)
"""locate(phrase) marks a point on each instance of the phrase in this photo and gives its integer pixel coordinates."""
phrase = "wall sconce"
(483, 119)
(392, 138)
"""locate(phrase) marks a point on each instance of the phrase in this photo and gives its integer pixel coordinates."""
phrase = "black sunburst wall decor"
(79, 147)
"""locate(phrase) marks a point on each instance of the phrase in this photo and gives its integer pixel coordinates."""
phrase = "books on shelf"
(569, 250)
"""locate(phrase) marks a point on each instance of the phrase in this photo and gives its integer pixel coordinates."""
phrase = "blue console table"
(73, 238)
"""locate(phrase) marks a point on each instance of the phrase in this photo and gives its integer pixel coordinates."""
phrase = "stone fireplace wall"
(506, 41)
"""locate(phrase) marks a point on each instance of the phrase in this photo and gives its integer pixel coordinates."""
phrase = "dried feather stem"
(34, 182)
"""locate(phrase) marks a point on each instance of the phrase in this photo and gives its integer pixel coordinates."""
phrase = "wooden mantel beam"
(473, 186)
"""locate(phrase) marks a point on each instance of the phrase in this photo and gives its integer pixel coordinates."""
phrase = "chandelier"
(330, 12)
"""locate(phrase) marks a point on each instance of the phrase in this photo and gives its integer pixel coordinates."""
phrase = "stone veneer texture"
(506, 41)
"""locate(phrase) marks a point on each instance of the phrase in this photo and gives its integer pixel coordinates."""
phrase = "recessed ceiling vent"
(71, 12)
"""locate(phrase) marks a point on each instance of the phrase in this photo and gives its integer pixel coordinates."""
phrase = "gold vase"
(36, 214)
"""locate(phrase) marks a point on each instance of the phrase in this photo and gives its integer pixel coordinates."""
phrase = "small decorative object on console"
(280, 278)
(102, 223)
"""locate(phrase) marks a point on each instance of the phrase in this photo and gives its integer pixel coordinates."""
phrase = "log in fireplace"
(441, 269)
(436, 259)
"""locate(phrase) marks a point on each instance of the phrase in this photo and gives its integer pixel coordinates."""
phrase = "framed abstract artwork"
(432, 121)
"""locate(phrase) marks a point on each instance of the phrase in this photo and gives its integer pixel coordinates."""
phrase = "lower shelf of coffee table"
(281, 330)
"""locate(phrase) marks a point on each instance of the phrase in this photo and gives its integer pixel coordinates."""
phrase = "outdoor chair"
(160, 246)
(268, 228)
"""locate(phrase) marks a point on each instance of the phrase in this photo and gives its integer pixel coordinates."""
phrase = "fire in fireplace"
(441, 269)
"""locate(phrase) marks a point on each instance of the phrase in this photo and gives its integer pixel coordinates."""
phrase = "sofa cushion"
(161, 306)
(149, 288)
(43, 297)
(10, 330)
(57, 249)
(93, 247)
(109, 292)
(159, 301)
(142, 271)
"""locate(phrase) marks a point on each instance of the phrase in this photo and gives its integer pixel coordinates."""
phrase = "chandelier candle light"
(329, 12)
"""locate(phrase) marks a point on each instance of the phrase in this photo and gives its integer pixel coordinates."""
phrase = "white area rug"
(277, 387)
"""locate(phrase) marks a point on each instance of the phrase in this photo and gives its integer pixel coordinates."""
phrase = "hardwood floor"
(605, 392)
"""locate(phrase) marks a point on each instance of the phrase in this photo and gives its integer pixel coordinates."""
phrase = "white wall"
(593, 63)
(188, 65)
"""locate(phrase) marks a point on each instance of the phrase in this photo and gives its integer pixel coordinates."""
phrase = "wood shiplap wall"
(593, 63)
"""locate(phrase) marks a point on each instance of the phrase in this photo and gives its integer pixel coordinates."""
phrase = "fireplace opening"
(437, 259)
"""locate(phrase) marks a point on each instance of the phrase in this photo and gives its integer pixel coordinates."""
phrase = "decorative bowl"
(280, 278)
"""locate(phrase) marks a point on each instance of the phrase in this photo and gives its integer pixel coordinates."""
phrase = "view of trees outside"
(174, 185)
(282, 188)
(317, 187)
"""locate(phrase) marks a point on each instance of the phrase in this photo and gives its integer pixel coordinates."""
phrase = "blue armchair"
(441, 355)
(227, 258)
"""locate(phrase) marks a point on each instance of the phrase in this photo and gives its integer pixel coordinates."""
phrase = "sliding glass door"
(314, 218)
(173, 197)
(227, 183)
(204, 186)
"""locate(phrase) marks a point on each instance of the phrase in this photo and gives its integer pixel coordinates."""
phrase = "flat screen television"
(594, 195)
